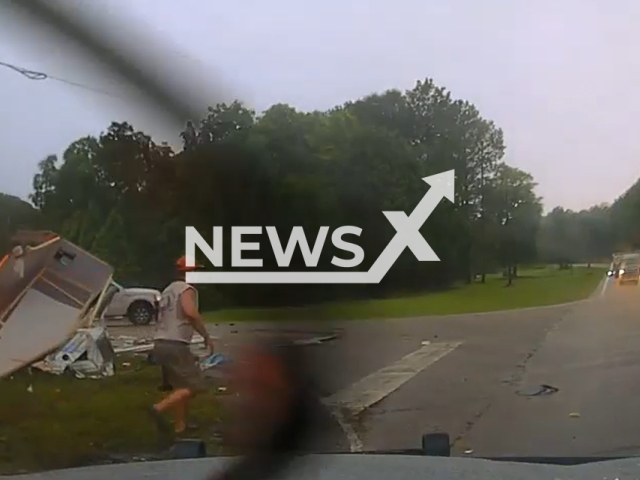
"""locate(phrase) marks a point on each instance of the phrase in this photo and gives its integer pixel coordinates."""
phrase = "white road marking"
(605, 284)
(373, 388)
(355, 444)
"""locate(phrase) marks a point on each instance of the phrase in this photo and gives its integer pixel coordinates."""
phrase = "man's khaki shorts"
(180, 364)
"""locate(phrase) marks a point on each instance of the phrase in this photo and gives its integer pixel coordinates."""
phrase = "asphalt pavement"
(490, 355)
(487, 391)
(478, 378)
(592, 356)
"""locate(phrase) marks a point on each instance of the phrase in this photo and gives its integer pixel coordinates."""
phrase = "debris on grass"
(89, 353)
(51, 289)
(127, 344)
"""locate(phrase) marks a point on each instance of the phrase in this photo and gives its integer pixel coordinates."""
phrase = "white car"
(138, 305)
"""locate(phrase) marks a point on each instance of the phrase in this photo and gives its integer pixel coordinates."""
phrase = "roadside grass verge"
(66, 422)
(534, 287)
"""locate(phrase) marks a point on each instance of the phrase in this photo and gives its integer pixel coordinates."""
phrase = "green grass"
(65, 422)
(534, 287)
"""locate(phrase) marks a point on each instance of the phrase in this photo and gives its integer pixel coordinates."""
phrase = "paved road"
(397, 379)
(589, 351)
(593, 357)
(448, 395)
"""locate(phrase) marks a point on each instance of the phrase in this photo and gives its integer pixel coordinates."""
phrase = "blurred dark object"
(276, 404)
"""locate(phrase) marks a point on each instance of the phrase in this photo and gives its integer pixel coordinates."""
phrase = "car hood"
(354, 467)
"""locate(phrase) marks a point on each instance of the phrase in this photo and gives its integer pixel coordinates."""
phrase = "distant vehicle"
(629, 272)
(618, 261)
(138, 305)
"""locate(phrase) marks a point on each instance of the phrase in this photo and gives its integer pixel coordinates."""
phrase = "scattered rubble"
(128, 344)
(52, 310)
(89, 353)
(50, 288)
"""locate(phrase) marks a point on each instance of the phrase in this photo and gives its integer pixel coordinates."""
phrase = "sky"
(560, 77)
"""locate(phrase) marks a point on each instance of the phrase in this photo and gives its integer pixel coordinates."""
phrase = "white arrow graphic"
(407, 236)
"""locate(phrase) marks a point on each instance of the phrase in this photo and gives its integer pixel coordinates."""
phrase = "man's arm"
(188, 302)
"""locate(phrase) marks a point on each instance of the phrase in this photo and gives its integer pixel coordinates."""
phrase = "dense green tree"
(568, 237)
(517, 216)
(128, 199)
(16, 214)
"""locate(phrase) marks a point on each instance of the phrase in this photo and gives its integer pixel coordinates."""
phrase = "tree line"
(127, 198)
(592, 234)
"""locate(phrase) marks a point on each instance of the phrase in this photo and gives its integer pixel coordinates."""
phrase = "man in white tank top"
(178, 318)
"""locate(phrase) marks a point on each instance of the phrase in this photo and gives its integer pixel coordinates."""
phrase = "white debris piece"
(125, 344)
(88, 354)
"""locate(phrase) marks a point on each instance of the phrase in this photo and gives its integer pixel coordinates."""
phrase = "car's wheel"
(140, 313)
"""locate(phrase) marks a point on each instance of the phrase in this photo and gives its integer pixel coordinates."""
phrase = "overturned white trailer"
(49, 288)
